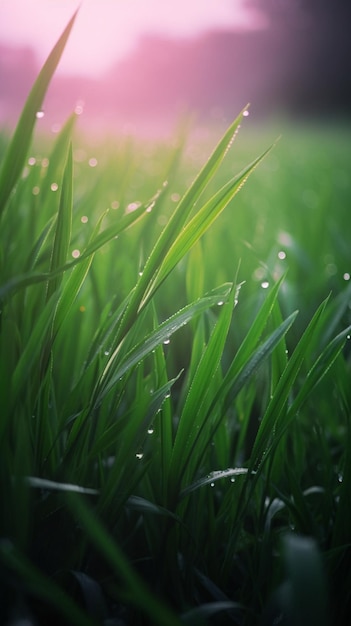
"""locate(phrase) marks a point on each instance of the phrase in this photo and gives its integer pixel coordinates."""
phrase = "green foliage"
(175, 437)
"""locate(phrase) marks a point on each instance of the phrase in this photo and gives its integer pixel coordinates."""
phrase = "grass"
(175, 399)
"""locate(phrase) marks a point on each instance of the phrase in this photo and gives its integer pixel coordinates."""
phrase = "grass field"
(175, 376)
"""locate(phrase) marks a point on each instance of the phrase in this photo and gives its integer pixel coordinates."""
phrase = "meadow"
(175, 375)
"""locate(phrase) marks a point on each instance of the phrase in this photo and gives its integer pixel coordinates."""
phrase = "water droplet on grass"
(346, 276)
(32, 161)
(132, 206)
(166, 342)
(54, 186)
(281, 255)
(39, 115)
(150, 430)
(212, 484)
(139, 455)
(265, 284)
(246, 114)
(93, 162)
(76, 254)
(35, 191)
(84, 219)
(220, 303)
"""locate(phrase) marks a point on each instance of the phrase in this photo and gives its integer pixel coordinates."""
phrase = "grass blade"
(18, 148)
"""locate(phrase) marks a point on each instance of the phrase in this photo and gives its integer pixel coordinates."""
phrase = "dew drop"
(220, 303)
(79, 108)
(139, 455)
(212, 484)
(35, 191)
(281, 255)
(150, 430)
(265, 284)
(340, 478)
(346, 276)
(45, 162)
(106, 353)
(32, 161)
(115, 204)
(84, 219)
(132, 206)
(166, 342)
(246, 114)
(76, 254)
(232, 480)
(39, 115)
(93, 162)
(54, 186)
(348, 336)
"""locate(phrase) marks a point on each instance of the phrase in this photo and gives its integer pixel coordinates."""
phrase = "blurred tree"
(317, 52)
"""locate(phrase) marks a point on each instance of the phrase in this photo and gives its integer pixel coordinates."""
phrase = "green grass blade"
(132, 588)
(200, 223)
(63, 225)
(157, 337)
(18, 148)
(192, 416)
(96, 242)
(177, 221)
(271, 418)
(212, 477)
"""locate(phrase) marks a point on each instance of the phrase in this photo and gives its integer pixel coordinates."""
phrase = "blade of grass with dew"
(18, 148)
(227, 394)
(176, 223)
(131, 588)
(157, 337)
(57, 163)
(199, 224)
(198, 397)
(212, 477)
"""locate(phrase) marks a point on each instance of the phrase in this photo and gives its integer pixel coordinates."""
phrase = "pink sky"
(106, 30)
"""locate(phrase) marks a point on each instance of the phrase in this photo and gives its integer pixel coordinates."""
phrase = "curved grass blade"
(51, 485)
(157, 337)
(212, 478)
(199, 224)
(176, 223)
(18, 148)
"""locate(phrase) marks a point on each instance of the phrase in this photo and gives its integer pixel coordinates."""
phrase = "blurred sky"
(107, 30)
